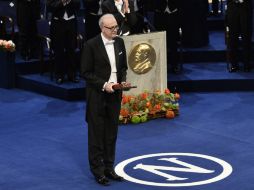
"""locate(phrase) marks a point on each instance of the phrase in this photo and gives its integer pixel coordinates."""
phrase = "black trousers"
(170, 24)
(102, 117)
(92, 28)
(27, 15)
(139, 25)
(215, 6)
(239, 20)
(194, 23)
(63, 34)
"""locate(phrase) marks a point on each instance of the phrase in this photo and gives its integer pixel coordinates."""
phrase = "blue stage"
(204, 70)
(43, 142)
(209, 146)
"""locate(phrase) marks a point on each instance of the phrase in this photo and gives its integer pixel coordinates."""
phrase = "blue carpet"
(43, 141)
(216, 42)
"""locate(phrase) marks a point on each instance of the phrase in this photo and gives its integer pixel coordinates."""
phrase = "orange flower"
(125, 99)
(152, 112)
(157, 107)
(170, 114)
(167, 91)
(148, 104)
(177, 96)
(124, 112)
(144, 95)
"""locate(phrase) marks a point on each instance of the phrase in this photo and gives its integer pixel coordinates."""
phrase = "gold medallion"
(142, 58)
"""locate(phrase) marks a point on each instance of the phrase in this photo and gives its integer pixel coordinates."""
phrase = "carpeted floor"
(43, 141)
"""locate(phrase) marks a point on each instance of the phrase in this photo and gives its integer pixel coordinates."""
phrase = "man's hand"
(108, 87)
(126, 6)
(125, 84)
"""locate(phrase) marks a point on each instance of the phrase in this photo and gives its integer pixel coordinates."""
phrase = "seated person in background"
(123, 11)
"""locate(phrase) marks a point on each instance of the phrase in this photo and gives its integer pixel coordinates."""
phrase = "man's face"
(109, 28)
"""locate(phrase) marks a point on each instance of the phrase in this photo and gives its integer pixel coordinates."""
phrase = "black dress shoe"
(73, 79)
(59, 81)
(233, 68)
(102, 180)
(113, 175)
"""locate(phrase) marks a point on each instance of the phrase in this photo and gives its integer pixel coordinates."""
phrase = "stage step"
(204, 69)
(210, 77)
(215, 51)
(196, 77)
(43, 85)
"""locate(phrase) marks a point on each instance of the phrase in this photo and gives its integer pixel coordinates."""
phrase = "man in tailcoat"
(166, 18)
(63, 32)
(215, 7)
(239, 21)
(93, 13)
(28, 12)
(141, 8)
(103, 64)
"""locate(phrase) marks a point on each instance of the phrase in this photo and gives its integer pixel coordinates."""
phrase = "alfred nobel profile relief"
(142, 58)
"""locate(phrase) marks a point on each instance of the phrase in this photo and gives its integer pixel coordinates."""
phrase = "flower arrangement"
(7, 45)
(149, 105)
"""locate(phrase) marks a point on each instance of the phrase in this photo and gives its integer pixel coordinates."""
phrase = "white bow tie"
(109, 42)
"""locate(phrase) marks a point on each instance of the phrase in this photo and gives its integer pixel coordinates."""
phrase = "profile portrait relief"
(142, 58)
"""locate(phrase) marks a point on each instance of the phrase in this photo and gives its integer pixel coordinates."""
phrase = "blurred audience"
(63, 32)
(172, 16)
(239, 22)
(123, 11)
(215, 7)
(140, 9)
(28, 12)
(166, 18)
(92, 14)
(194, 23)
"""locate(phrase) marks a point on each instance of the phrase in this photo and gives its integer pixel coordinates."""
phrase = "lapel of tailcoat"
(103, 51)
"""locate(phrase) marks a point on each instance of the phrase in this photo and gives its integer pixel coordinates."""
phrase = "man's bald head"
(108, 26)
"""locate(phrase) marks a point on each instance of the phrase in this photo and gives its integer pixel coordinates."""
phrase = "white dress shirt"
(168, 11)
(100, 10)
(109, 46)
(119, 6)
(135, 5)
(66, 16)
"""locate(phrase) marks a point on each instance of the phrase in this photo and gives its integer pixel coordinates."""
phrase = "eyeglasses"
(112, 28)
